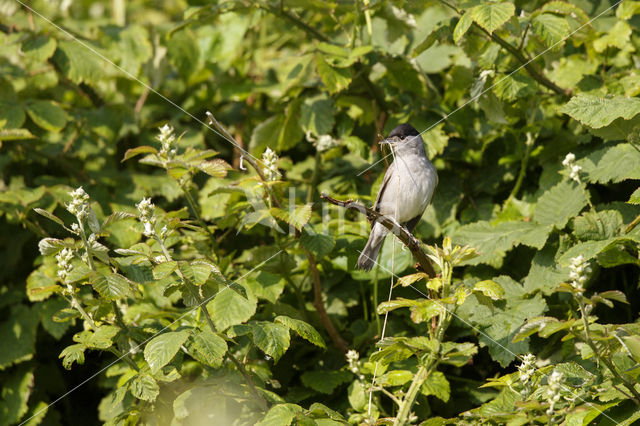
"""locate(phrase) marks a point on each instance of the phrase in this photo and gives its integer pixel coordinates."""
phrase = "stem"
(249, 380)
(612, 368)
(295, 21)
(317, 169)
(410, 396)
(338, 341)
(195, 210)
(523, 170)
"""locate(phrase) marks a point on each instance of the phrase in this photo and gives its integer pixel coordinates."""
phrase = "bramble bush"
(162, 264)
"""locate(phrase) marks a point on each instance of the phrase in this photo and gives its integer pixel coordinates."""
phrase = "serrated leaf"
(514, 86)
(144, 149)
(612, 164)
(567, 9)
(635, 197)
(272, 339)
(195, 273)
(425, 310)
(560, 203)
(616, 295)
(551, 29)
(216, 168)
(296, 218)
(317, 115)
(266, 286)
(71, 354)
(111, 286)
(183, 52)
(336, 79)
(49, 246)
(632, 343)
(437, 385)
(165, 269)
(229, 308)
(117, 217)
(18, 334)
(280, 415)
(318, 244)
(161, 349)
(490, 289)
(600, 225)
(304, 330)
(396, 377)
(617, 36)
(463, 25)
(39, 48)
(78, 63)
(144, 387)
(596, 112)
(492, 16)
(210, 347)
(47, 115)
(391, 305)
(407, 280)
(493, 241)
(11, 115)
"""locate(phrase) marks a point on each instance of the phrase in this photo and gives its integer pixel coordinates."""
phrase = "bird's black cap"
(405, 130)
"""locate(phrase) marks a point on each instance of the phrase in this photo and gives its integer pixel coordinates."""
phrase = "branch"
(338, 341)
(403, 235)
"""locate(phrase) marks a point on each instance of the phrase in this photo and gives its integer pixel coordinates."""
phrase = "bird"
(407, 189)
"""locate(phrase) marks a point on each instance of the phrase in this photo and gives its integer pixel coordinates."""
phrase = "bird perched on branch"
(406, 190)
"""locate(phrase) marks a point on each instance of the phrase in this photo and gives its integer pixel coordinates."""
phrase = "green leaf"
(463, 25)
(317, 115)
(514, 86)
(18, 335)
(396, 377)
(132, 152)
(336, 79)
(144, 387)
(635, 197)
(325, 381)
(560, 203)
(71, 354)
(229, 308)
(551, 29)
(493, 241)
(588, 249)
(209, 347)
(39, 48)
(195, 273)
(11, 115)
(111, 286)
(492, 16)
(425, 310)
(273, 339)
(280, 415)
(183, 52)
(617, 36)
(298, 218)
(101, 338)
(15, 134)
(566, 9)
(632, 343)
(436, 140)
(78, 63)
(165, 269)
(408, 280)
(612, 164)
(400, 302)
(216, 168)
(490, 289)
(627, 9)
(266, 286)
(47, 114)
(596, 112)
(545, 274)
(436, 385)
(318, 244)
(600, 225)
(304, 330)
(161, 349)
(16, 390)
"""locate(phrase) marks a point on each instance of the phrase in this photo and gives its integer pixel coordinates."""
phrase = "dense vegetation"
(162, 265)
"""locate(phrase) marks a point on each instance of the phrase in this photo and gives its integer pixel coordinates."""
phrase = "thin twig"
(403, 235)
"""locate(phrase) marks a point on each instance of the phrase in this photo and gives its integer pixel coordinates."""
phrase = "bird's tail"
(370, 252)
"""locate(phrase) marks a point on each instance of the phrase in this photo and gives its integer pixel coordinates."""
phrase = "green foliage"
(234, 297)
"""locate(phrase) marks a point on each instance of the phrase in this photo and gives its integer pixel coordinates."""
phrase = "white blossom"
(79, 205)
(166, 138)
(270, 170)
(527, 368)
(572, 167)
(147, 217)
(553, 390)
(579, 270)
(64, 263)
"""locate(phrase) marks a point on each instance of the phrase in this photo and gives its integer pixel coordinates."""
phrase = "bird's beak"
(387, 141)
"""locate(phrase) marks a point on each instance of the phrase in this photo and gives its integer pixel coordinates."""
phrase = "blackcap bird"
(406, 190)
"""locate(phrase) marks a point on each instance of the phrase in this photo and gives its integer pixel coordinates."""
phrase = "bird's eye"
(402, 137)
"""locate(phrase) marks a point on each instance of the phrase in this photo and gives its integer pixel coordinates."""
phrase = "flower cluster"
(579, 270)
(148, 219)
(79, 205)
(569, 163)
(526, 370)
(270, 159)
(352, 359)
(64, 263)
(166, 137)
(553, 390)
